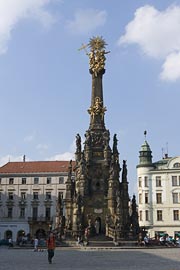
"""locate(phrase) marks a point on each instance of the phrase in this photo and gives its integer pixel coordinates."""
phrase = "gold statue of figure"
(97, 108)
(97, 54)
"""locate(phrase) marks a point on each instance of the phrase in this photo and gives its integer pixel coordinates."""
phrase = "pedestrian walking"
(50, 247)
(10, 242)
(36, 242)
(86, 236)
(146, 240)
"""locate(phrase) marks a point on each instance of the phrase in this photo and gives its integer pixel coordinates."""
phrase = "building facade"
(29, 194)
(158, 193)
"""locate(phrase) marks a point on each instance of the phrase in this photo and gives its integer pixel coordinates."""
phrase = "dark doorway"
(40, 233)
(8, 234)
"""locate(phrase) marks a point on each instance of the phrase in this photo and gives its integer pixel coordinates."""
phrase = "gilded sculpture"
(97, 108)
(97, 54)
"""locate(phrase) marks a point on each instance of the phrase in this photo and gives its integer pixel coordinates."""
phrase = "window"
(146, 198)
(35, 196)
(23, 181)
(36, 180)
(158, 198)
(22, 212)
(48, 180)
(176, 214)
(140, 215)
(147, 215)
(61, 180)
(34, 213)
(174, 181)
(140, 182)
(48, 213)
(48, 195)
(159, 215)
(176, 165)
(23, 195)
(140, 198)
(158, 181)
(10, 212)
(10, 195)
(175, 197)
(11, 181)
(146, 182)
(0, 181)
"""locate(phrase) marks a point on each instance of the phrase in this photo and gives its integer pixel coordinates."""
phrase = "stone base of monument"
(99, 241)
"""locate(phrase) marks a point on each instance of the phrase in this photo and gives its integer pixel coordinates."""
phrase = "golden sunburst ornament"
(97, 43)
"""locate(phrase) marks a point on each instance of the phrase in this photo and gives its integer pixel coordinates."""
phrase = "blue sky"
(45, 83)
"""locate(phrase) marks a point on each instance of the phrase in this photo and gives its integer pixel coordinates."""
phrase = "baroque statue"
(78, 143)
(97, 54)
(97, 109)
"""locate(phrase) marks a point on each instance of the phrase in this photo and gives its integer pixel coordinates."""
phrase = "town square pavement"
(66, 259)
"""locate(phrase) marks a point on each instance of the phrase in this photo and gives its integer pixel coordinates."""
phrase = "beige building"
(29, 192)
(158, 193)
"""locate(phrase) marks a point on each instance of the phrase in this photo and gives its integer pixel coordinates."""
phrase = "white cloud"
(85, 21)
(72, 147)
(63, 156)
(67, 155)
(171, 68)
(158, 35)
(12, 11)
(11, 158)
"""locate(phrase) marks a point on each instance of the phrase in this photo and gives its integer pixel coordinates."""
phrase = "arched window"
(8, 234)
(176, 165)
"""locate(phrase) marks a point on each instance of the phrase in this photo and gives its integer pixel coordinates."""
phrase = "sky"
(45, 85)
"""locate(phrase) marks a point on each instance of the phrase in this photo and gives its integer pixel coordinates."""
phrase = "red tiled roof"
(35, 167)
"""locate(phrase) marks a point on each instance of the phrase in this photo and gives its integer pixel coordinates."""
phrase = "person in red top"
(50, 247)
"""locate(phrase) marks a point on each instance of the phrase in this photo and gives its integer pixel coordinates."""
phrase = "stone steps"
(100, 243)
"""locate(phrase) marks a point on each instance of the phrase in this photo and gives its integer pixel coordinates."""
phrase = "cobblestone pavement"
(121, 259)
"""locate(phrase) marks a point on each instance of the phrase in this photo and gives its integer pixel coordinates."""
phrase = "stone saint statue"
(124, 172)
(78, 143)
(115, 143)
